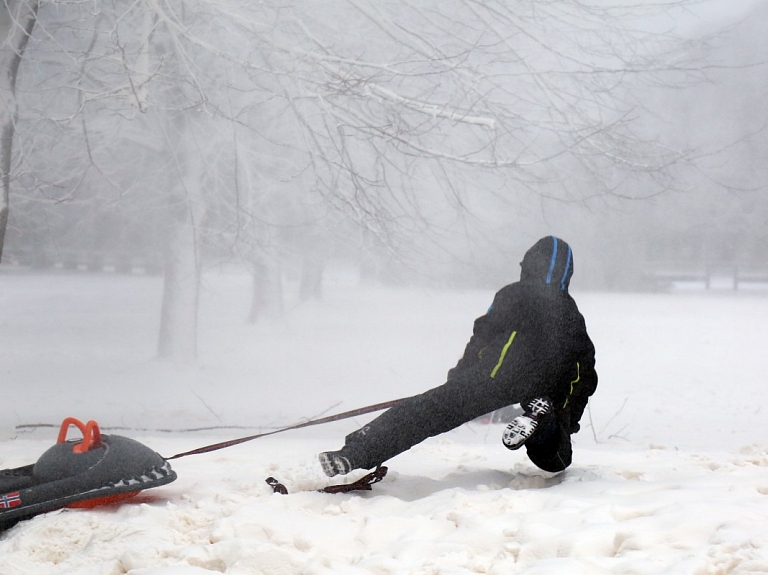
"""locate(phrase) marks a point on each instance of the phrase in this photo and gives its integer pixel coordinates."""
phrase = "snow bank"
(669, 472)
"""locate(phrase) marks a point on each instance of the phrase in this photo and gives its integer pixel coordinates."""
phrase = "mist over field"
(221, 218)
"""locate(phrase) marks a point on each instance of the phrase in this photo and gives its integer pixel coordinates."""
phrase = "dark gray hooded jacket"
(532, 342)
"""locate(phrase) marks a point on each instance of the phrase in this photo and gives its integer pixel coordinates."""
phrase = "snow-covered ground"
(670, 471)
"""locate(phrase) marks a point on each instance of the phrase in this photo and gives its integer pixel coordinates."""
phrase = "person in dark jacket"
(530, 348)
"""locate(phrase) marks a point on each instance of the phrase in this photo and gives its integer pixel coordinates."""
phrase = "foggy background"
(229, 215)
(409, 143)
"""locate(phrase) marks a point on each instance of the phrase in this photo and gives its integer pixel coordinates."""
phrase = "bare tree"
(17, 21)
(225, 116)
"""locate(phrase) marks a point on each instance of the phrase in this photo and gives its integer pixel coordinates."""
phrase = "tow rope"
(362, 484)
(328, 419)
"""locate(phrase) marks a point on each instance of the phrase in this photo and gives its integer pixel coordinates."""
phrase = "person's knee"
(553, 462)
(553, 453)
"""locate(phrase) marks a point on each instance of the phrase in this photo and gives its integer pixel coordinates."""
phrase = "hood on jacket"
(548, 262)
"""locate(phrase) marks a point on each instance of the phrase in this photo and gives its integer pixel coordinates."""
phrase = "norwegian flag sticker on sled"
(9, 500)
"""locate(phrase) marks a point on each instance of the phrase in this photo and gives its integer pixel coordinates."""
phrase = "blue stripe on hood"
(565, 271)
(552, 263)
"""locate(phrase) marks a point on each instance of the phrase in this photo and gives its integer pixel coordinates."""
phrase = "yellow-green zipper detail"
(503, 354)
(578, 377)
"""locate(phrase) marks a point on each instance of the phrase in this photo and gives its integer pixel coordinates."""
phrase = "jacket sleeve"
(485, 327)
(473, 352)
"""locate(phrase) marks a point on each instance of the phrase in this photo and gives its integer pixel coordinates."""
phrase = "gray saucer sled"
(97, 470)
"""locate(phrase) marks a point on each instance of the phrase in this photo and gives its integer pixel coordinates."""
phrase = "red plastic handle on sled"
(90, 431)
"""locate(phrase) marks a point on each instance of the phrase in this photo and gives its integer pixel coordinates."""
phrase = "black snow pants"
(442, 409)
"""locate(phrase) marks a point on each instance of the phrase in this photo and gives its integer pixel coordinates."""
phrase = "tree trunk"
(311, 284)
(17, 20)
(181, 291)
(181, 287)
(267, 300)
